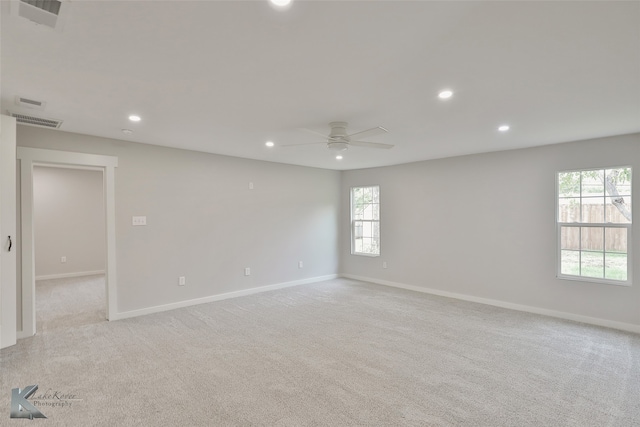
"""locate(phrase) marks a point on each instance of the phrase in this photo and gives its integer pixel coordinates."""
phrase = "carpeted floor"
(335, 353)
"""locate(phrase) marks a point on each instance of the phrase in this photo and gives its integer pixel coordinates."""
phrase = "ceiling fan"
(339, 140)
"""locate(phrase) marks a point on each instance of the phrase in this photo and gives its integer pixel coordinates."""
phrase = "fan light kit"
(134, 118)
(339, 140)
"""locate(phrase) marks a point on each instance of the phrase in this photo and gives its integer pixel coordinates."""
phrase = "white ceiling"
(224, 77)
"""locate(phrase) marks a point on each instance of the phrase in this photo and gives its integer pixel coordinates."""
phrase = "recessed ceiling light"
(445, 94)
(134, 118)
(127, 131)
(338, 157)
(269, 144)
(503, 128)
(281, 3)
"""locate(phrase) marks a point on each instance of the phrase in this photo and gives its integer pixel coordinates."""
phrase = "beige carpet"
(336, 353)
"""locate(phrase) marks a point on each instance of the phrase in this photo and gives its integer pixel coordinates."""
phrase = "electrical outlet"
(251, 186)
(182, 281)
(384, 264)
(63, 259)
(247, 271)
(300, 264)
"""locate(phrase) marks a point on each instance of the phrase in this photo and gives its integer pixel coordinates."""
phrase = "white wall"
(69, 221)
(484, 226)
(481, 226)
(205, 224)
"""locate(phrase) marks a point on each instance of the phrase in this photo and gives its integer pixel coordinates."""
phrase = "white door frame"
(8, 258)
(30, 157)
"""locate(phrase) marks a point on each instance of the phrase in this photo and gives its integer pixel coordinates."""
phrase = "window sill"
(367, 255)
(595, 280)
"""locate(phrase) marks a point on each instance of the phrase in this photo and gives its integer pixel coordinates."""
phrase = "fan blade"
(306, 143)
(368, 132)
(371, 144)
(323, 135)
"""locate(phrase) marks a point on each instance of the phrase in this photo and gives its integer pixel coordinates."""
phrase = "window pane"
(357, 229)
(570, 263)
(357, 196)
(615, 259)
(592, 183)
(593, 209)
(618, 209)
(569, 184)
(375, 230)
(376, 194)
(366, 229)
(570, 238)
(615, 239)
(615, 266)
(592, 264)
(366, 212)
(369, 246)
(358, 245)
(569, 209)
(367, 197)
(621, 180)
(366, 243)
(592, 239)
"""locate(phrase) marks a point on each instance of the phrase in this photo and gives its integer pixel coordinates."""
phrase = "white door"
(8, 284)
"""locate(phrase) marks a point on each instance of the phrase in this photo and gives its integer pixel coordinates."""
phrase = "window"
(594, 225)
(365, 221)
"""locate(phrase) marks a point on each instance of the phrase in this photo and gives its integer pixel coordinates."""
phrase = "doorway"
(69, 245)
(31, 158)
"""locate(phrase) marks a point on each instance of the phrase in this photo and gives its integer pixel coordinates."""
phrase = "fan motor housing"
(338, 129)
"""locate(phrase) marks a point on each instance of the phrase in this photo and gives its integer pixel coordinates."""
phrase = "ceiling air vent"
(43, 12)
(25, 119)
(30, 103)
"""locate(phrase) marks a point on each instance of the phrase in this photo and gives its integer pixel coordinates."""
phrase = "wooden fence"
(615, 239)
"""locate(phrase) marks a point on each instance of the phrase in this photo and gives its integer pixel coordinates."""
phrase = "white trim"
(8, 260)
(66, 157)
(23, 334)
(65, 275)
(219, 297)
(30, 157)
(629, 327)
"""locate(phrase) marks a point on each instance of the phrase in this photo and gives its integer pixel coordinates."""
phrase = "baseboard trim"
(219, 297)
(65, 275)
(23, 334)
(628, 327)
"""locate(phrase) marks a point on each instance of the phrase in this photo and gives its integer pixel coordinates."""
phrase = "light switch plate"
(139, 220)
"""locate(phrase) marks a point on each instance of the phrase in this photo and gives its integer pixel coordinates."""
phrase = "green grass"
(613, 267)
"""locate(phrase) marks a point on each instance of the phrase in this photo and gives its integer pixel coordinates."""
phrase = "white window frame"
(559, 225)
(353, 222)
